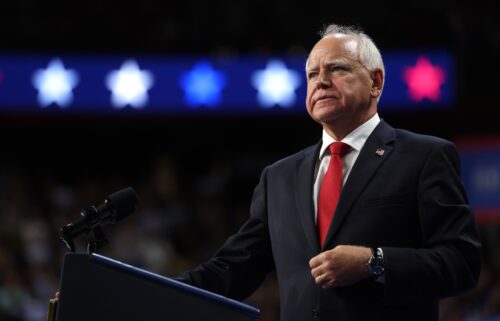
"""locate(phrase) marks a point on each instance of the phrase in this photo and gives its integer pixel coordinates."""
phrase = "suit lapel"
(304, 182)
(375, 151)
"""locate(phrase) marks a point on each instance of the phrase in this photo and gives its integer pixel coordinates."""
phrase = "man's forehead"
(334, 47)
(337, 43)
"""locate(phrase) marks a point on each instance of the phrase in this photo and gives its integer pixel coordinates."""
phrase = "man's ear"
(377, 81)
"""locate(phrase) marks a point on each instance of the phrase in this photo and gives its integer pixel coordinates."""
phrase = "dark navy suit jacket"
(409, 200)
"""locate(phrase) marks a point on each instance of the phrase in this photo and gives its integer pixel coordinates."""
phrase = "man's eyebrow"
(329, 63)
(336, 61)
(309, 69)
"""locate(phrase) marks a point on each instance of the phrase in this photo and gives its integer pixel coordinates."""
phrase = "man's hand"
(343, 265)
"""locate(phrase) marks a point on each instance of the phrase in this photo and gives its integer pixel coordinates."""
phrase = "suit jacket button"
(315, 312)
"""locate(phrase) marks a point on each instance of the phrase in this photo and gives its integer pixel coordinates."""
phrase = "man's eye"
(337, 68)
(312, 75)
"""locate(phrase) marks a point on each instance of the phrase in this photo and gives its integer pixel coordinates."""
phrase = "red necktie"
(329, 192)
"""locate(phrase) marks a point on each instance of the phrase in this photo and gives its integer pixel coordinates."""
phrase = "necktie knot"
(339, 148)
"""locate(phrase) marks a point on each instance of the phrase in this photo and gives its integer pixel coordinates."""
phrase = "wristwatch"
(376, 263)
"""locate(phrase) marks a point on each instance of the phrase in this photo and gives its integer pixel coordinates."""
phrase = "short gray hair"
(368, 53)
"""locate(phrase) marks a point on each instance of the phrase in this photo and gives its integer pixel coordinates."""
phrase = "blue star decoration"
(202, 85)
(55, 84)
(276, 85)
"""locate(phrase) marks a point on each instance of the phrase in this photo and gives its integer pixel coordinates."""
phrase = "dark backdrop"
(195, 176)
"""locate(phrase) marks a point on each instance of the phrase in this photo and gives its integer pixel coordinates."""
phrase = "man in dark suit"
(400, 235)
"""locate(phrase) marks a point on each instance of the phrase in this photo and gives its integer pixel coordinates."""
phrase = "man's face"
(339, 87)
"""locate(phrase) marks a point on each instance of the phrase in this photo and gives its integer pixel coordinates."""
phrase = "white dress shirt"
(356, 139)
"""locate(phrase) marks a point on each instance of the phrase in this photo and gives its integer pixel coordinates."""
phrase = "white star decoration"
(129, 85)
(55, 84)
(276, 85)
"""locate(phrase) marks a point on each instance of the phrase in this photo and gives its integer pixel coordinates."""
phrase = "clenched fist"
(343, 265)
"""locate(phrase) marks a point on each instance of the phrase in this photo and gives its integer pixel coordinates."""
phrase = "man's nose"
(323, 81)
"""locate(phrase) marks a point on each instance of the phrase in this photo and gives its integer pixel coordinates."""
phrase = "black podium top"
(94, 287)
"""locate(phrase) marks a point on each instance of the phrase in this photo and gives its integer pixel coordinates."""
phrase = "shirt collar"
(356, 138)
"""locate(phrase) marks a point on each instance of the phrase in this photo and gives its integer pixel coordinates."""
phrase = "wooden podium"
(97, 288)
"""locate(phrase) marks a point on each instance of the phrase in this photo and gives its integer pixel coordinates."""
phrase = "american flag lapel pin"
(380, 152)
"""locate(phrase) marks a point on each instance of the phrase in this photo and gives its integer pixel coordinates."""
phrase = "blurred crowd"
(182, 218)
(176, 226)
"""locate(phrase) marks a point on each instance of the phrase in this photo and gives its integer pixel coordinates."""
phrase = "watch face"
(377, 270)
(375, 266)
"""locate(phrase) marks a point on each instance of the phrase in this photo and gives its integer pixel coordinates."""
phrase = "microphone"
(115, 208)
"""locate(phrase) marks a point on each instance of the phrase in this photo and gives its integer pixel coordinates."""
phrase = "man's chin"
(327, 116)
